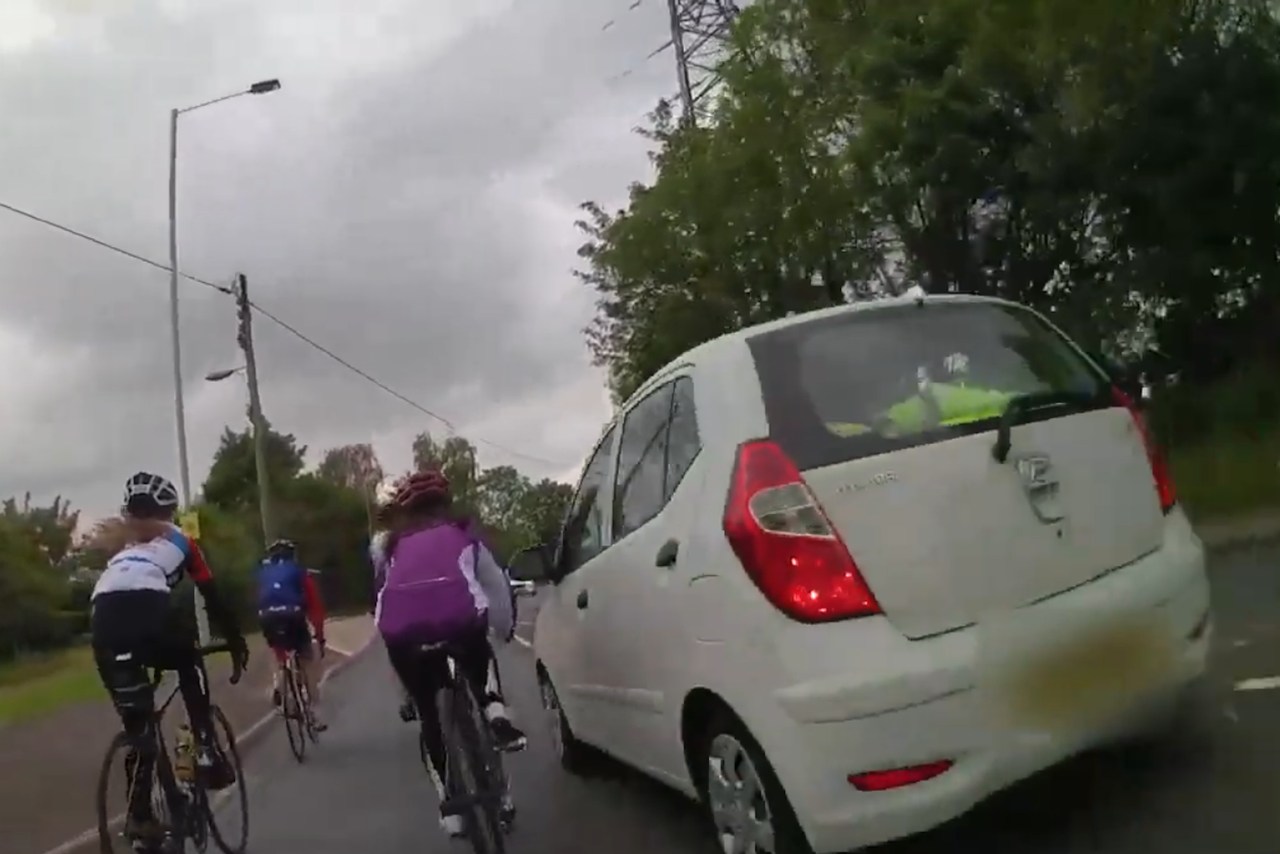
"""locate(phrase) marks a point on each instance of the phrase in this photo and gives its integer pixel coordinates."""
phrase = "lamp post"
(262, 87)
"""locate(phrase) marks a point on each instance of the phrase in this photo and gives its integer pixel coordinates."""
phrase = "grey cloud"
(409, 207)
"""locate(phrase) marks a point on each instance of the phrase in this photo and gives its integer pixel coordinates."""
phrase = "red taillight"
(1159, 468)
(896, 778)
(786, 543)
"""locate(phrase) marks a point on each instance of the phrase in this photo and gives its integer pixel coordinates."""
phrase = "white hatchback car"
(844, 575)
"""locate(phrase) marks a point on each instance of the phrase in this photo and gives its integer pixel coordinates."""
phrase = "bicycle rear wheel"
(473, 775)
(295, 713)
(307, 716)
(228, 810)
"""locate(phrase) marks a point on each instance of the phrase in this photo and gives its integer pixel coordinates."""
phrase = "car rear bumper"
(821, 731)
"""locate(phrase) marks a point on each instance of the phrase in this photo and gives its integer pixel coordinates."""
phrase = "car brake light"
(786, 543)
(896, 778)
(1159, 467)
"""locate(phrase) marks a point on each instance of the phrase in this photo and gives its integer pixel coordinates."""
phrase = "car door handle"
(667, 554)
(583, 599)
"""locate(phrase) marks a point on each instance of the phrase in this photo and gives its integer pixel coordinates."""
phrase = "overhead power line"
(287, 327)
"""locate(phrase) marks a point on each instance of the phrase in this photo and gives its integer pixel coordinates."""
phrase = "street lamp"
(258, 424)
(219, 376)
(262, 87)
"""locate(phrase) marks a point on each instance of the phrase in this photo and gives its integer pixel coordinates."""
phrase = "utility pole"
(699, 29)
(244, 311)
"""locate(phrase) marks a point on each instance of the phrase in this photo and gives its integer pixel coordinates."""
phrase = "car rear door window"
(584, 527)
(642, 461)
(683, 441)
(868, 382)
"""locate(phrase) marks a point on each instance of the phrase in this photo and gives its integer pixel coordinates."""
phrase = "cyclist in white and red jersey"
(135, 626)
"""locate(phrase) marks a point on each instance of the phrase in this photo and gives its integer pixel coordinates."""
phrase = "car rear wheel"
(747, 807)
(574, 756)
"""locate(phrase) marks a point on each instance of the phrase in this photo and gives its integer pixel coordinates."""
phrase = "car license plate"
(1089, 679)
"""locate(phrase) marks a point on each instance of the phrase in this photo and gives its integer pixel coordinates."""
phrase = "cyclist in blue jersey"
(287, 601)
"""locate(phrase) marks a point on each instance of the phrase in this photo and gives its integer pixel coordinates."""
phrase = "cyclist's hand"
(239, 659)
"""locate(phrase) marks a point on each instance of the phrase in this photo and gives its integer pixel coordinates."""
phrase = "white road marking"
(1266, 683)
(523, 642)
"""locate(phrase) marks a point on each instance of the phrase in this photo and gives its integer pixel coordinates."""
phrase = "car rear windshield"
(867, 382)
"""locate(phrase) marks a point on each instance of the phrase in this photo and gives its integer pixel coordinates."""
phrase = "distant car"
(843, 576)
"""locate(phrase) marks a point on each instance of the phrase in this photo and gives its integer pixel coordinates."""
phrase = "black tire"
(574, 756)
(226, 740)
(107, 827)
(295, 715)
(308, 720)
(198, 821)
(724, 727)
(466, 769)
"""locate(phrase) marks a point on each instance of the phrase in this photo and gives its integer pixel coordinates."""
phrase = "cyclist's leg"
(408, 712)
(480, 667)
(177, 650)
(269, 634)
(510, 737)
(118, 628)
(420, 674)
(301, 643)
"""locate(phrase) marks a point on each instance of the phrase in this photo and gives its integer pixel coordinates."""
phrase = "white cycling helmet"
(385, 492)
(148, 488)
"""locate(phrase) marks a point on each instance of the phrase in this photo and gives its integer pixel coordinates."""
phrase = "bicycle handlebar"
(237, 671)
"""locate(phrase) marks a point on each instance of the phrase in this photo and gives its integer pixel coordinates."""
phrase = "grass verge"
(1225, 479)
(43, 684)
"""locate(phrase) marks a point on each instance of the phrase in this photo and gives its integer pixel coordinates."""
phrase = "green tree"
(233, 478)
(353, 466)
(456, 457)
(33, 599)
(1113, 165)
(52, 527)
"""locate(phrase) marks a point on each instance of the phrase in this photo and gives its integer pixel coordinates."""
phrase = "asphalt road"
(1212, 788)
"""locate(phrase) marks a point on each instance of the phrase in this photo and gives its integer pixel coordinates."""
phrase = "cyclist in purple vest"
(442, 586)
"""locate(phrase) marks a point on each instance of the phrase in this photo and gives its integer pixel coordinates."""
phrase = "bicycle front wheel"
(228, 810)
(134, 791)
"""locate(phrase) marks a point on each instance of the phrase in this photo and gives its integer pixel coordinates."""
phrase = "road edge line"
(242, 739)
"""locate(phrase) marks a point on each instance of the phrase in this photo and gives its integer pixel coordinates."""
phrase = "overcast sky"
(407, 199)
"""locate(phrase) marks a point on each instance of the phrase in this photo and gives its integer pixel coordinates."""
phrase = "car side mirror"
(532, 565)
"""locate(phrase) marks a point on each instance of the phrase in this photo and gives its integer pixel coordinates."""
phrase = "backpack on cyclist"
(281, 586)
(427, 598)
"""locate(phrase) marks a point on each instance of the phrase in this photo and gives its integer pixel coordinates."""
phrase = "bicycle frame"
(178, 799)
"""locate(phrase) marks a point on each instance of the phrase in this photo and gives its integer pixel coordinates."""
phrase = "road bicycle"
(295, 707)
(186, 806)
(476, 781)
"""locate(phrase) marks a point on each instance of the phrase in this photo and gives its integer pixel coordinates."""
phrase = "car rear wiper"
(1020, 405)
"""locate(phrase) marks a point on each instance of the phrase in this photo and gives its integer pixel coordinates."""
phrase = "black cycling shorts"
(286, 631)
